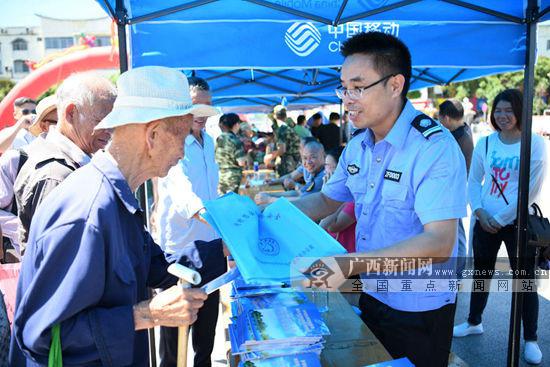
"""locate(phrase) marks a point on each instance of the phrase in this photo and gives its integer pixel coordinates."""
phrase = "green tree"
(5, 86)
(488, 87)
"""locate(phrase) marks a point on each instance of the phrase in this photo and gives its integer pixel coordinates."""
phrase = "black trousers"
(486, 246)
(203, 333)
(423, 337)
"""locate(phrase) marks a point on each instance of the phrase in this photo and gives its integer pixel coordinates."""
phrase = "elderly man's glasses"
(357, 93)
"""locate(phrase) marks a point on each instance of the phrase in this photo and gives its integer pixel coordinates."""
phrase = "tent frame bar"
(455, 76)
(543, 13)
(168, 11)
(378, 11)
(523, 189)
(484, 10)
(287, 10)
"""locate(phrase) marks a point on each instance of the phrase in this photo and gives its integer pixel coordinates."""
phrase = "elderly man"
(89, 259)
(181, 194)
(83, 100)
(311, 172)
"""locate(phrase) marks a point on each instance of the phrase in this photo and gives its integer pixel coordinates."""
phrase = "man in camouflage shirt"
(230, 154)
(288, 145)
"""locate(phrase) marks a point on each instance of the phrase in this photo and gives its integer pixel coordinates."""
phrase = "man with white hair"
(89, 259)
(83, 100)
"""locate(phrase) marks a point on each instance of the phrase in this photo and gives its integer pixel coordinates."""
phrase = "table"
(351, 343)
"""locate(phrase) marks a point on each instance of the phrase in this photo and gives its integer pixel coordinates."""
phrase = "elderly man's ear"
(152, 134)
(70, 112)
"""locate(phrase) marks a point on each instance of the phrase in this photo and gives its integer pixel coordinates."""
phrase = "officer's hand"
(263, 198)
(175, 306)
(289, 184)
(198, 216)
(226, 251)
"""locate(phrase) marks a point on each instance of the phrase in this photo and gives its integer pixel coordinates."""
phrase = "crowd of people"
(384, 179)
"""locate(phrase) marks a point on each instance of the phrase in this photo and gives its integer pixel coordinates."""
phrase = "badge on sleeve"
(353, 169)
(426, 126)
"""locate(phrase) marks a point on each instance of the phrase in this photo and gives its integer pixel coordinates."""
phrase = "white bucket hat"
(151, 93)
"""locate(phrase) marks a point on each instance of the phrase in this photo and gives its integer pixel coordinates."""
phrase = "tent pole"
(523, 190)
(121, 19)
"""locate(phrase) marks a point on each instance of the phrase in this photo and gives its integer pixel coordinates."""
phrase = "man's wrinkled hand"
(173, 307)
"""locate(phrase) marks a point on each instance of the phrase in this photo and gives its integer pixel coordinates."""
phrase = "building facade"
(21, 44)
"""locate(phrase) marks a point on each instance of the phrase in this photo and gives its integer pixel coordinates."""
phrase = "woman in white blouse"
(492, 193)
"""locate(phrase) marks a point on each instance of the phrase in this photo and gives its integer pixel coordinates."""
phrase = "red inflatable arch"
(39, 80)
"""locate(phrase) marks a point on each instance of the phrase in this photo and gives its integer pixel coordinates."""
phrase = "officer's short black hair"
(229, 120)
(390, 55)
(317, 116)
(199, 83)
(451, 108)
(301, 119)
(334, 116)
(22, 100)
(515, 98)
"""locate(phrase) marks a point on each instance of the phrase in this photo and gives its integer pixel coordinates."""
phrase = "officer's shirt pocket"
(396, 210)
(357, 185)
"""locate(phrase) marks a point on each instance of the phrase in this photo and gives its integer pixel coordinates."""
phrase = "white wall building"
(543, 39)
(18, 44)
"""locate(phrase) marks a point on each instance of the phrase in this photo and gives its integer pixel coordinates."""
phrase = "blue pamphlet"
(265, 244)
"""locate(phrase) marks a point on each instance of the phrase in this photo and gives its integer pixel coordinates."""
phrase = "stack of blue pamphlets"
(276, 324)
(296, 360)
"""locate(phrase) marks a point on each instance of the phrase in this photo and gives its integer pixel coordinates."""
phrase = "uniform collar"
(107, 165)
(398, 133)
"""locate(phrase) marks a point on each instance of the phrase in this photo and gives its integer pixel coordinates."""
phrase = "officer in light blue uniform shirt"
(407, 177)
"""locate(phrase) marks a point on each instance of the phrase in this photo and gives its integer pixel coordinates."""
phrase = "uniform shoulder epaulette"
(426, 125)
(357, 132)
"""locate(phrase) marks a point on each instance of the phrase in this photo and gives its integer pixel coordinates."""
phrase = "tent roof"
(257, 51)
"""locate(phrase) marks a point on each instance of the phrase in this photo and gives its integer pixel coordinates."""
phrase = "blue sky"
(21, 12)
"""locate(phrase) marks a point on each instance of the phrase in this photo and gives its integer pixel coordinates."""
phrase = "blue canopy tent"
(253, 52)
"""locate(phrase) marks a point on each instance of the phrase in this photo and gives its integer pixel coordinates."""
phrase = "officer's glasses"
(357, 93)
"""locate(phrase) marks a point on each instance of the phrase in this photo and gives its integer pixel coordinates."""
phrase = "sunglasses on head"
(26, 111)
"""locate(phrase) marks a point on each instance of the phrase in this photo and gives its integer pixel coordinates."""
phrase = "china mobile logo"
(302, 38)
